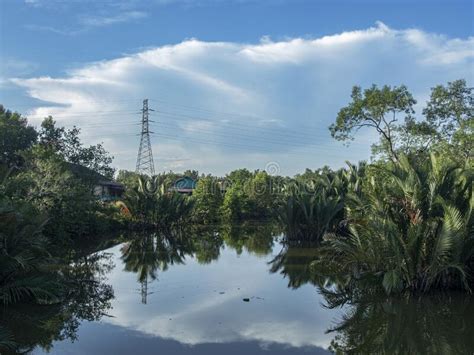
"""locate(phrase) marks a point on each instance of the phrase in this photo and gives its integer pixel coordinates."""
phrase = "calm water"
(153, 294)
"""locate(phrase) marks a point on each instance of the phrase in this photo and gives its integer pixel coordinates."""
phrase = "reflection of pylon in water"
(144, 290)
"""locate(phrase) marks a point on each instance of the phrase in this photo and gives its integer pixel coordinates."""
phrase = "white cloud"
(99, 21)
(292, 88)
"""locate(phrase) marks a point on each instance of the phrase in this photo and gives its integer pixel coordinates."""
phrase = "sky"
(233, 83)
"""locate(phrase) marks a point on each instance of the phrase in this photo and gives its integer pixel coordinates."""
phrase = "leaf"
(392, 281)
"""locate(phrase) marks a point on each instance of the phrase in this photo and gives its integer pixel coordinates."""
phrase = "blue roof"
(185, 183)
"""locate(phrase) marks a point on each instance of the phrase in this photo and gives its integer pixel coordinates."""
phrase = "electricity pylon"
(145, 163)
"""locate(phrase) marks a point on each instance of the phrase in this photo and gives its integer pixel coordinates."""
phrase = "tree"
(49, 185)
(128, 178)
(378, 109)
(208, 200)
(239, 177)
(66, 142)
(194, 174)
(15, 136)
(411, 228)
(260, 191)
(234, 205)
(447, 125)
(450, 113)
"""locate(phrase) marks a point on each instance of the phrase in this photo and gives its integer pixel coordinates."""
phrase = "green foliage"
(69, 203)
(411, 227)
(312, 204)
(309, 212)
(262, 193)
(152, 204)
(16, 136)
(450, 113)
(234, 205)
(25, 263)
(24, 256)
(377, 109)
(67, 144)
(248, 196)
(128, 178)
(207, 200)
(237, 205)
(51, 175)
(447, 126)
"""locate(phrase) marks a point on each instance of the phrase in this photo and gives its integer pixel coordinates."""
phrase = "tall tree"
(378, 109)
(450, 112)
(15, 136)
(67, 143)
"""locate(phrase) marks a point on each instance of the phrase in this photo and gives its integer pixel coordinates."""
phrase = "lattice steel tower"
(145, 163)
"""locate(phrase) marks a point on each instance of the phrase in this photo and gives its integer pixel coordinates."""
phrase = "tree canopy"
(15, 136)
(446, 124)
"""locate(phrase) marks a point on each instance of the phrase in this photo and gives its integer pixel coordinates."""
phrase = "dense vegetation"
(402, 223)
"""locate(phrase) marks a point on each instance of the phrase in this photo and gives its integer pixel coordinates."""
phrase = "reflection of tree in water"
(294, 262)
(377, 324)
(255, 238)
(147, 253)
(374, 323)
(207, 244)
(87, 297)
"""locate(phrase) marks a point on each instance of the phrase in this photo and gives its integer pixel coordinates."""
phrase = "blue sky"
(236, 83)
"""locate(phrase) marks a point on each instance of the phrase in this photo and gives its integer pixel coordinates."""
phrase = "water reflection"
(147, 253)
(194, 284)
(190, 301)
(294, 263)
(435, 324)
(88, 299)
(251, 237)
(207, 244)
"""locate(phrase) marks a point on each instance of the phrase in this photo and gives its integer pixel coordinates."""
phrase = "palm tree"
(412, 227)
(24, 261)
(151, 204)
(309, 212)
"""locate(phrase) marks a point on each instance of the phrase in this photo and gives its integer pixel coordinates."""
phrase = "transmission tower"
(145, 163)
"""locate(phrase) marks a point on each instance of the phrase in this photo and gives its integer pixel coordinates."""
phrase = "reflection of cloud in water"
(186, 305)
(125, 341)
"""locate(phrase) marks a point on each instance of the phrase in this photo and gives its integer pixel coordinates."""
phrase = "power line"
(255, 130)
(270, 140)
(252, 133)
(238, 124)
(233, 133)
(307, 130)
(245, 147)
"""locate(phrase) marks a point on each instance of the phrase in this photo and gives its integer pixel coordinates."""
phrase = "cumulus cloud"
(224, 105)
